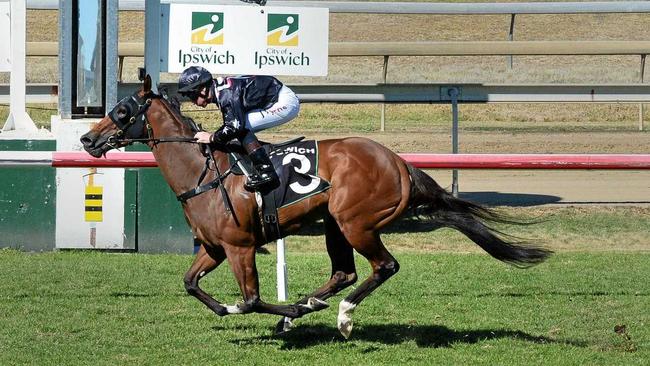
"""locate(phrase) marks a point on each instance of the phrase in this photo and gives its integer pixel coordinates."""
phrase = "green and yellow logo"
(282, 30)
(207, 28)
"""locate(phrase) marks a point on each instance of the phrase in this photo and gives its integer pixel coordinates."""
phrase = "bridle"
(130, 117)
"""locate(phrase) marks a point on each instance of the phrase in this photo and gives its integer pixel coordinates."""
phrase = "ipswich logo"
(207, 28)
(282, 30)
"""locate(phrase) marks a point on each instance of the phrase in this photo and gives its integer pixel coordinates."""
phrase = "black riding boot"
(264, 179)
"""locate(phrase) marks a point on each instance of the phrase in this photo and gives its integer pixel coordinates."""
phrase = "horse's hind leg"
(383, 267)
(207, 259)
(343, 269)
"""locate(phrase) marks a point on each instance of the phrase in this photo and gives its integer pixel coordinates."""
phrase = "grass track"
(69, 308)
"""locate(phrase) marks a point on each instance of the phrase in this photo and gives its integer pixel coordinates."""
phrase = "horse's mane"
(175, 107)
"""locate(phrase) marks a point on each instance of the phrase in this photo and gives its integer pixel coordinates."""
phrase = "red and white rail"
(79, 159)
(76, 159)
(529, 161)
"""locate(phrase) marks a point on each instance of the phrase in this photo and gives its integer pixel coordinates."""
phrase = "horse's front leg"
(242, 262)
(207, 259)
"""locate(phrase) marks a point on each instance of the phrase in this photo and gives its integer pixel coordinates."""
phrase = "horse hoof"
(316, 304)
(284, 325)
(344, 321)
(345, 326)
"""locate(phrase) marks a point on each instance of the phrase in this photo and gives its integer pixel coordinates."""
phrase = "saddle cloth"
(297, 167)
(296, 163)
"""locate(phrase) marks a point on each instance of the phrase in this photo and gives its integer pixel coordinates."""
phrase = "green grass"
(39, 113)
(364, 118)
(68, 308)
(409, 118)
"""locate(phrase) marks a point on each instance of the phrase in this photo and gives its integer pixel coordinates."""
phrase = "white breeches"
(283, 111)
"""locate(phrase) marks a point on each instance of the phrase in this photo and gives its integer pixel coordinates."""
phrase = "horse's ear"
(146, 88)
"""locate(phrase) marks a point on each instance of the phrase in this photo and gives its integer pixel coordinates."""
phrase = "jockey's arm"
(234, 124)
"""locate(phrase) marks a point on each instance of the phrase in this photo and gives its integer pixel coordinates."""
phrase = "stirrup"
(257, 182)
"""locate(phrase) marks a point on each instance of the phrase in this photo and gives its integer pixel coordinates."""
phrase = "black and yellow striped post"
(93, 200)
(93, 205)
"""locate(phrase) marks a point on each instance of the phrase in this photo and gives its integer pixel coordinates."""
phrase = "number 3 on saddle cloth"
(296, 163)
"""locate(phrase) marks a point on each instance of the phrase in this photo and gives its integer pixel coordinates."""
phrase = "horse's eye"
(122, 112)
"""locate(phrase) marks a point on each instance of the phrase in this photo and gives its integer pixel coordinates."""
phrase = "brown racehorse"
(370, 188)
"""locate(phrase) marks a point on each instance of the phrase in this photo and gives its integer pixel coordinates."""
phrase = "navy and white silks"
(253, 103)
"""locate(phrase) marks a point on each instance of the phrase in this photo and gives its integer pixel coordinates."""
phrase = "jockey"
(248, 104)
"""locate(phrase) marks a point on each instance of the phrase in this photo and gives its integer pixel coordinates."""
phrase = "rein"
(158, 140)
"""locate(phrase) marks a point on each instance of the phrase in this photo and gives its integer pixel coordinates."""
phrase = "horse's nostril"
(86, 141)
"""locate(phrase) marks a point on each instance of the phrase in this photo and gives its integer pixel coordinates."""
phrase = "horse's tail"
(431, 200)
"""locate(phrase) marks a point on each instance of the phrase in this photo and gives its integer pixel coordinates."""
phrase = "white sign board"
(231, 39)
(5, 36)
(73, 230)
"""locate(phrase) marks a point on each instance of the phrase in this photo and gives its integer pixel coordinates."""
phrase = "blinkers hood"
(129, 116)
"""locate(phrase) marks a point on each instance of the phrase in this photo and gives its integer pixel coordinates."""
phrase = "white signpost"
(5, 36)
(230, 39)
(18, 118)
(89, 201)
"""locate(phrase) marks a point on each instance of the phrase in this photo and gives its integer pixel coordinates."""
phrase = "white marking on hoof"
(284, 325)
(314, 303)
(344, 320)
(234, 309)
(287, 324)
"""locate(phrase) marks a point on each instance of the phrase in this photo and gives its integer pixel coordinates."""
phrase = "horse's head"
(131, 120)
(125, 123)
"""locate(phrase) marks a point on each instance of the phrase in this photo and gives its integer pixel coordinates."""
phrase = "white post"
(18, 118)
(5, 36)
(281, 271)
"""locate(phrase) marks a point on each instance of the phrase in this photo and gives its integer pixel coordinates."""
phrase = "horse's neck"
(181, 163)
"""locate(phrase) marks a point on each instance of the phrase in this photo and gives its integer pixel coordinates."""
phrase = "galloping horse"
(370, 187)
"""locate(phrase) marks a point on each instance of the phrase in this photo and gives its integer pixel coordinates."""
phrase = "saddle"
(239, 160)
(296, 163)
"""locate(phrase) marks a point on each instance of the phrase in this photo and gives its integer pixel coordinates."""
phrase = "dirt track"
(532, 188)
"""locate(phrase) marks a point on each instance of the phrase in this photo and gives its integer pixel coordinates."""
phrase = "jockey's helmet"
(192, 80)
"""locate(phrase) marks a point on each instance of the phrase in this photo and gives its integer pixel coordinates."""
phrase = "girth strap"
(269, 216)
(198, 190)
(202, 188)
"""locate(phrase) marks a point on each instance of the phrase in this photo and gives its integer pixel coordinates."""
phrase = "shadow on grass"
(425, 336)
(492, 198)
(126, 295)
